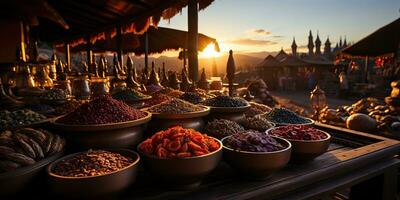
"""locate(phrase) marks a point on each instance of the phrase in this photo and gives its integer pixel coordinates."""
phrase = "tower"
(340, 42)
(317, 45)
(344, 42)
(327, 48)
(310, 44)
(294, 47)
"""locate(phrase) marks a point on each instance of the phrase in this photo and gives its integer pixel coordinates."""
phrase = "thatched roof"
(94, 17)
(269, 61)
(160, 39)
(317, 60)
(293, 61)
(383, 41)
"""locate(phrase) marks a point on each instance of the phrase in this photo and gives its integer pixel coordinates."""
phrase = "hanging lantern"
(318, 100)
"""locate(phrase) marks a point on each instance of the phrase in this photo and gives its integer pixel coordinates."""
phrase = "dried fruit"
(298, 132)
(19, 158)
(252, 141)
(177, 142)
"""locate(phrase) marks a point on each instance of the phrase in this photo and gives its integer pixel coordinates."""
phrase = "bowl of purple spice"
(255, 154)
(103, 122)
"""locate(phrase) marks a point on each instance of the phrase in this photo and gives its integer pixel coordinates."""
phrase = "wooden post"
(68, 56)
(366, 70)
(89, 51)
(119, 44)
(192, 39)
(146, 50)
(23, 40)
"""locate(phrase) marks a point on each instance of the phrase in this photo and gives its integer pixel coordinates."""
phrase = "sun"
(209, 52)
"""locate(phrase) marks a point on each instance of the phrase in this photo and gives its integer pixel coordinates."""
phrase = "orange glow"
(209, 52)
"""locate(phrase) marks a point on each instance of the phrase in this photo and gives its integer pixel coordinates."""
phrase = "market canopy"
(293, 61)
(94, 17)
(383, 41)
(159, 39)
(281, 55)
(318, 60)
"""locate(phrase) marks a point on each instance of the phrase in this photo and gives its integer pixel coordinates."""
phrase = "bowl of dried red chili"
(256, 155)
(93, 173)
(308, 142)
(180, 157)
(103, 123)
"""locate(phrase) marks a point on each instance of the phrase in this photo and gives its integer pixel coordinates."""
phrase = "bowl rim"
(50, 167)
(188, 158)
(102, 127)
(29, 168)
(289, 147)
(195, 114)
(305, 141)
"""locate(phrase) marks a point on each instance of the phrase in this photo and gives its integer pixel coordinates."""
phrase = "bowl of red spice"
(103, 122)
(256, 155)
(180, 158)
(308, 142)
(93, 172)
(177, 112)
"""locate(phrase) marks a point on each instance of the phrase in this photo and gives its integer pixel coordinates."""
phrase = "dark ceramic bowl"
(182, 173)
(191, 120)
(94, 185)
(114, 135)
(258, 165)
(307, 150)
(235, 114)
(21, 178)
(310, 123)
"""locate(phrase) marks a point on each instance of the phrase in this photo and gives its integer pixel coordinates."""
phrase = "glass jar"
(80, 88)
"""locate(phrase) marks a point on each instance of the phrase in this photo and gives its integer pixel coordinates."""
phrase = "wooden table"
(353, 158)
(364, 162)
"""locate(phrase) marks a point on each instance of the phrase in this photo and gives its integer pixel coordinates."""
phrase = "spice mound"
(18, 118)
(192, 97)
(102, 110)
(257, 109)
(298, 132)
(177, 142)
(92, 163)
(26, 146)
(284, 116)
(252, 141)
(226, 101)
(67, 107)
(54, 94)
(129, 95)
(222, 127)
(157, 99)
(175, 106)
(257, 123)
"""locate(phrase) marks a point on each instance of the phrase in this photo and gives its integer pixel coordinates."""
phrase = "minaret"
(340, 42)
(327, 48)
(317, 45)
(345, 42)
(294, 47)
(310, 44)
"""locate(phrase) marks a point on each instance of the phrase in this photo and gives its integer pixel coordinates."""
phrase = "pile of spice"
(67, 107)
(92, 163)
(156, 99)
(252, 141)
(226, 101)
(129, 95)
(257, 123)
(54, 94)
(12, 120)
(41, 108)
(170, 92)
(256, 109)
(102, 110)
(175, 106)
(284, 116)
(192, 97)
(220, 128)
(26, 146)
(298, 132)
(150, 89)
(177, 142)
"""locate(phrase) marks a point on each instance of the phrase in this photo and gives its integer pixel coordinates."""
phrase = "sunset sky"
(268, 25)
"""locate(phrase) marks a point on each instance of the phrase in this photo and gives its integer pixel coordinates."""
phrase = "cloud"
(259, 31)
(251, 42)
(277, 36)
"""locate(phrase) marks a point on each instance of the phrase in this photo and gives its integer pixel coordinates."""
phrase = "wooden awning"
(159, 39)
(293, 61)
(383, 41)
(94, 17)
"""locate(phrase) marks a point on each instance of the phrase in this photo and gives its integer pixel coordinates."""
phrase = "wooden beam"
(193, 39)
(67, 56)
(89, 52)
(146, 50)
(140, 4)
